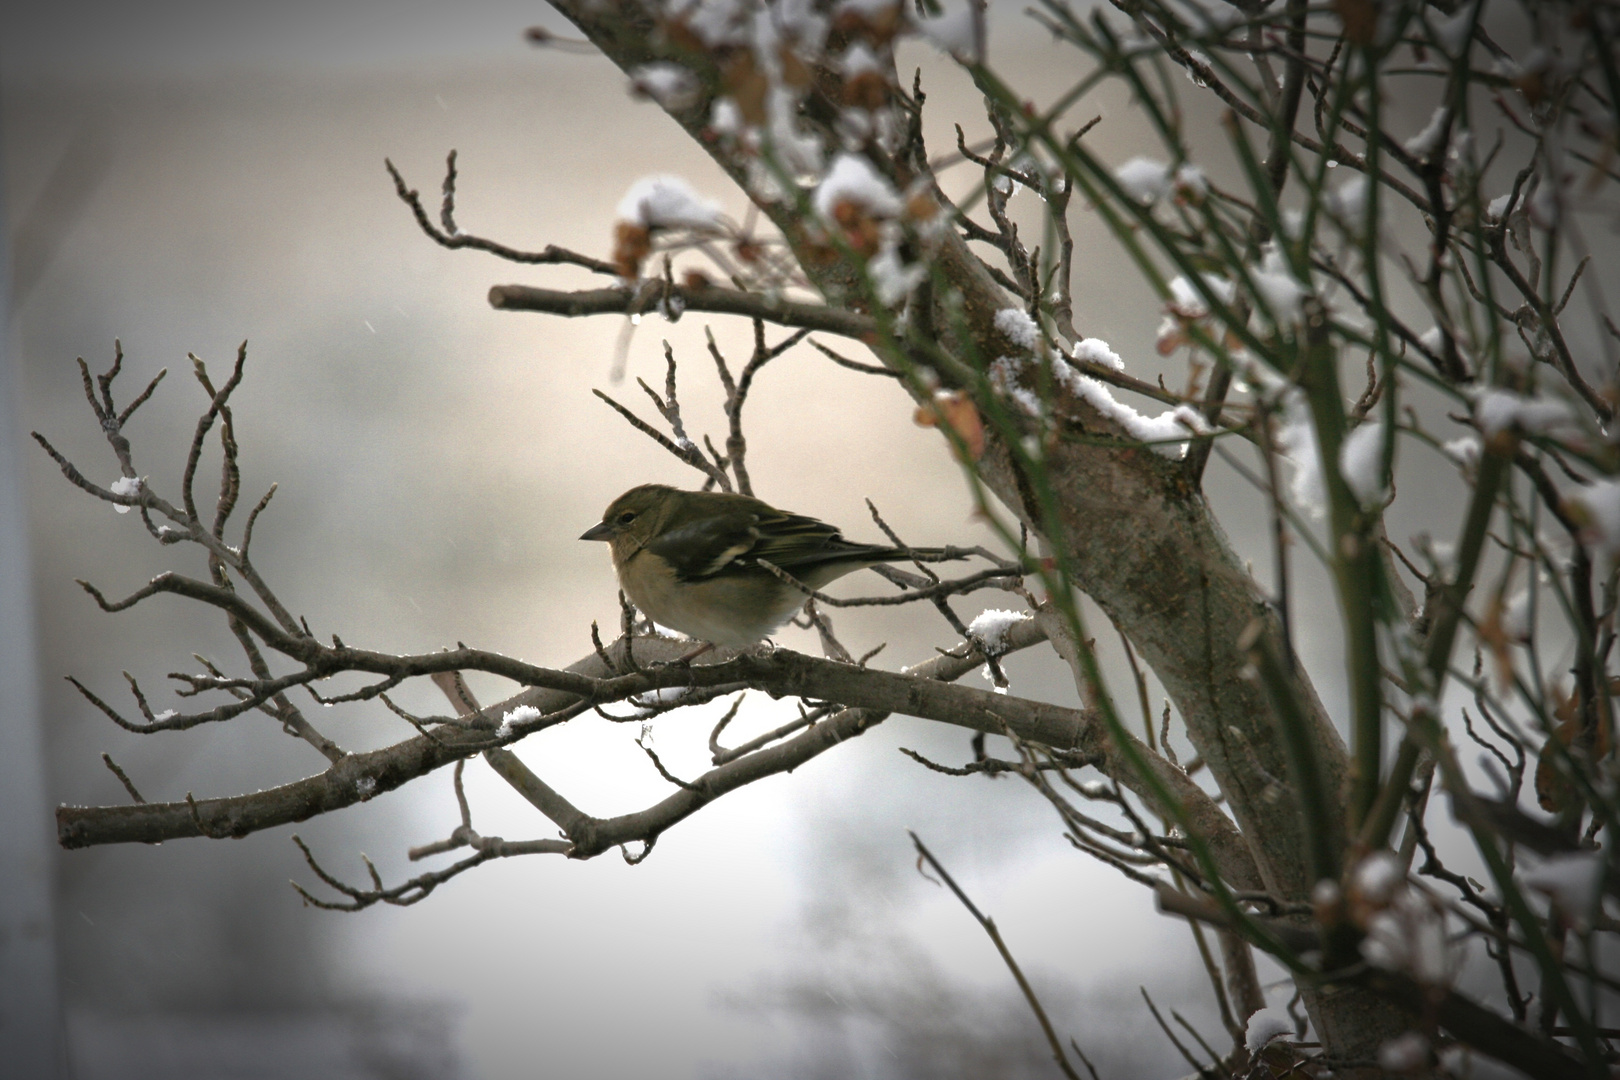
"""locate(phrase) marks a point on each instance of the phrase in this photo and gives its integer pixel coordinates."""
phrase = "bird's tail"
(922, 554)
(851, 556)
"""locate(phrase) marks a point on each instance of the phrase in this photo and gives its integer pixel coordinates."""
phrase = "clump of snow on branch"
(667, 202)
(1348, 203)
(1189, 303)
(726, 119)
(852, 182)
(1464, 450)
(1019, 328)
(520, 715)
(1497, 410)
(1190, 182)
(770, 53)
(1516, 616)
(1572, 881)
(992, 627)
(1295, 436)
(1497, 207)
(1409, 936)
(1096, 351)
(1187, 306)
(1144, 179)
(1427, 141)
(1266, 1025)
(1282, 293)
(1147, 180)
(1405, 930)
(798, 149)
(958, 34)
(765, 79)
(1361, 463)
(865, 96)
(126, 485)
(653, 702)
(672, 306)
(859, 61)
(657, 204)
(1451, 34)
(1377, 877)
(670, 85)
(1296, 440)
(1004, 374)
(1167, 432)
(1404, 1053)
(715, 22)
(893, 277)
(865, 208)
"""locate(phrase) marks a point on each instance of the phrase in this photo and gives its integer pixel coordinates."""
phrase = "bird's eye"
(627, 517)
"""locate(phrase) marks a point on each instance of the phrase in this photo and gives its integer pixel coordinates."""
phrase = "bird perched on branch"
(690, 560)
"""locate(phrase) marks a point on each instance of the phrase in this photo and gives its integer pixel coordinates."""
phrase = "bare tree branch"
(648, 295)
(358, 777)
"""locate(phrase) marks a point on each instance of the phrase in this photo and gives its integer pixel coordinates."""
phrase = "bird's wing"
(729, 542)
(795, 543)
(709, 545)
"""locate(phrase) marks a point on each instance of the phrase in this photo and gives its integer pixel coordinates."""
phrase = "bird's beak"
(599, 531)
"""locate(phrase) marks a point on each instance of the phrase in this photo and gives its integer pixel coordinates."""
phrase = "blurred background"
(183, 176)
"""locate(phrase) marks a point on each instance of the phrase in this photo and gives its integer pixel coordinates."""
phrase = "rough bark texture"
(1145, 546)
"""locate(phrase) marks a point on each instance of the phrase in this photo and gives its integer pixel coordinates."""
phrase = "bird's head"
(632, 520)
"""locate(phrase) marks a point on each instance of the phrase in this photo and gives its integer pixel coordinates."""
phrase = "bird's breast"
(729, 609)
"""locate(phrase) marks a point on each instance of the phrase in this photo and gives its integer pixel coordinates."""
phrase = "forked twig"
(1062, 1059)
(450, 236)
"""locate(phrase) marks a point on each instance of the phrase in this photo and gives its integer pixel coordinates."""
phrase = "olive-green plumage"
(688, 560)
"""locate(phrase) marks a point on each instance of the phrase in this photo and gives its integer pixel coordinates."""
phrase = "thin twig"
(1052, 1040)
(123, 777)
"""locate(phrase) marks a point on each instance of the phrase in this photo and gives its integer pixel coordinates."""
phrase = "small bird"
(689, 560)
